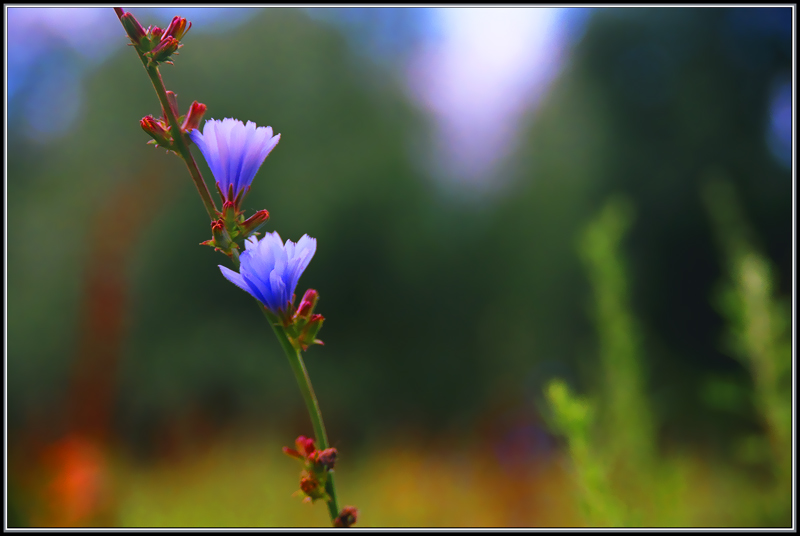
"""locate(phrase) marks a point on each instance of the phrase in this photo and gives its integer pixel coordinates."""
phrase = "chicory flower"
(234, 152)
(269, 270)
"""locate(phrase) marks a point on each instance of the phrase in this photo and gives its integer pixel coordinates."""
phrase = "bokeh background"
(510, 202)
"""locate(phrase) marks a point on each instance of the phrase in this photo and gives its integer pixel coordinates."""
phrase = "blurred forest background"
(145, 390)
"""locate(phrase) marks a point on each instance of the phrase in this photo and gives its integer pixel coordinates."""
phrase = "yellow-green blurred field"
(234, 480)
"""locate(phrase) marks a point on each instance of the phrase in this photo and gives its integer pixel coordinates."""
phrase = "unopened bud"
(312, 487)
(135, 31)
(307, 304)
(177, 28)
(305, 445)
(221, 239)
(309, 334)
(309, 484)
(156, 130)
(156, 33)
(254, 222)
(346, 518)
(229, 214)
(164, 49)
(193, 118)
(327, 458)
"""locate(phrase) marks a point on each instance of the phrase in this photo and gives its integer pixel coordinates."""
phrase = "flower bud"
(193, 118)
(164, 49)
(135, 31)
(157, 130)
(254, 223)
(177, 28)
(309, 484)
(309, 334)
(311, 487)
(327, 458)
(228, 214)
(156, 33)
(307, 304)
(221, 240)
(305, 445)
(346, 518)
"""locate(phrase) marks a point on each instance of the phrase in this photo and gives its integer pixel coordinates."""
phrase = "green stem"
(304, 382)
(179, 141)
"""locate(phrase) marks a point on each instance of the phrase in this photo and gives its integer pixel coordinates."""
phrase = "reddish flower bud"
(135, 31)
(254, 222)
(164, 49)
(346, 518)
(305, 445)
(311, 487)
(193, 118)
(307, 304)
(229, 213)
(327, 458)
(157, 130)
(308, 484)
(151, 126)
(177, 28)
(221, 240)
(155, 32)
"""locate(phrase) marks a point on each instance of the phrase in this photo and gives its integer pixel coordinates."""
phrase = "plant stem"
(304, 382)
(180, 142)
(178, 137)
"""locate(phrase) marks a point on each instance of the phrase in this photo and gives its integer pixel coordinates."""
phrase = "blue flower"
(234, 152)
(269, 270)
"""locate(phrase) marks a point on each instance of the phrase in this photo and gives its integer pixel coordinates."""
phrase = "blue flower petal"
(238, 280)
(234, 151)
(279, 291)
(303, 252)
(269, 269)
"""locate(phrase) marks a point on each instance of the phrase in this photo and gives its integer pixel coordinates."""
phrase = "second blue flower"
(269, 270)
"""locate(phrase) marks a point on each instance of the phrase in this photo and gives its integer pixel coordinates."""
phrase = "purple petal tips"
(234, 152)
(269, 269)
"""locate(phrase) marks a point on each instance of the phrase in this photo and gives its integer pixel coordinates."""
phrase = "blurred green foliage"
(758, 333)
(573, 417)
(621, 478)
(436, 304)
(616, 448)
(629, 422)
